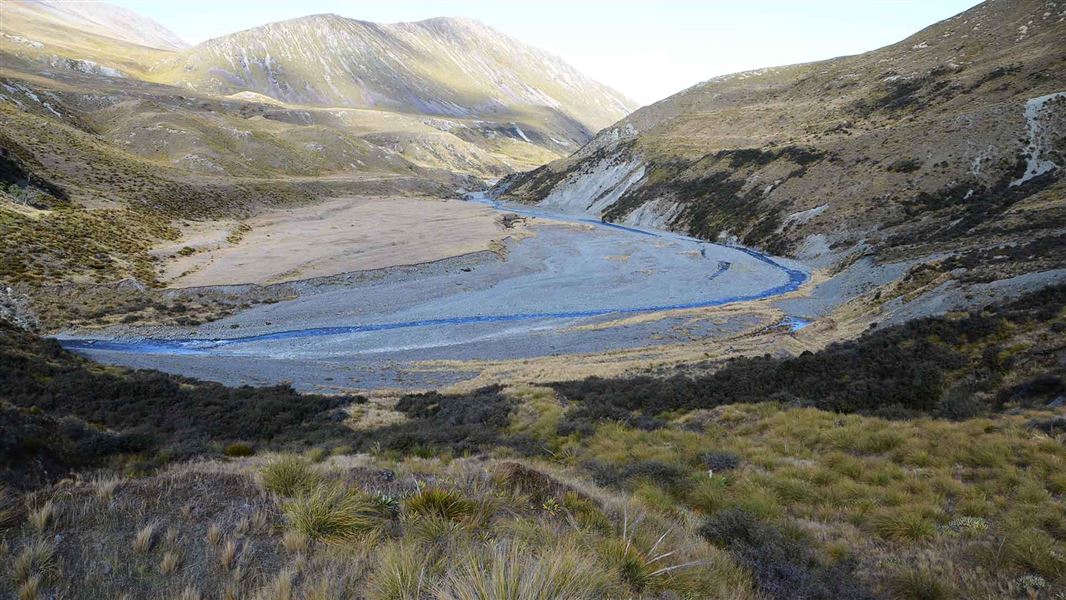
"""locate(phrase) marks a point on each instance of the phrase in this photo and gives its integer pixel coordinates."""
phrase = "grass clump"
(919, 584)
(43, 516)
(507, 569)
(170, 563)
(439, 502)
(904, 527)
(36, 560)
(403, 572)
(333, 513)
(289, 476)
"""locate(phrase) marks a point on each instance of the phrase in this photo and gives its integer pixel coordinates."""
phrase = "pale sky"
(643, 48)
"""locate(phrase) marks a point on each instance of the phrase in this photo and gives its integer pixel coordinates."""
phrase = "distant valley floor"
(555, 286)
(321, 239)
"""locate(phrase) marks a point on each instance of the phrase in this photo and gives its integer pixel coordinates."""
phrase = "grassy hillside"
(950, 141)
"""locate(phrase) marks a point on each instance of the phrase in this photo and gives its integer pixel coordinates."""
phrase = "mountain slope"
(99, 18)
(448, 67)
(949, 141)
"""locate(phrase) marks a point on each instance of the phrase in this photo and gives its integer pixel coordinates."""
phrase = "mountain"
(106, 138)
(448, 67)
(99, 18)
(322, 95)
(948, 144)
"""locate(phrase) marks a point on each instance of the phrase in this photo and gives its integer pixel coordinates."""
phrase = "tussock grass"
(507, 569)
(170, 563)
(104, 487)
(919, 583)
(904, 527)
(439, 502)
(214, 534)
(278, 588)
(333, 513)
(144, 540)
(42, 517)
(295, 541)
(227, 555)
(30, 589)
(37, 560)
(289, 476)
(403, 572)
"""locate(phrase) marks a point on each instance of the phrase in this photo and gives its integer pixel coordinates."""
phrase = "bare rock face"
(949, 142)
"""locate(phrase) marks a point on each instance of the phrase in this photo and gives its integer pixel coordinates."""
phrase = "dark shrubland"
(783, 564)
(180, 414)
(936, 366)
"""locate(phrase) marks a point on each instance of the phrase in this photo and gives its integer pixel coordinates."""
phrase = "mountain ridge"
(398, 66)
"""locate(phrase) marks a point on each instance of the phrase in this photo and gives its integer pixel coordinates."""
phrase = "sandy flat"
(336, 236)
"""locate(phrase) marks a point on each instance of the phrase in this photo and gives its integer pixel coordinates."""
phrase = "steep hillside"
(99, 18)
(446, 67)
(950, 141)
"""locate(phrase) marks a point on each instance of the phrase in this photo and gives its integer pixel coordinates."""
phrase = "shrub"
(722, 460)
(238, 449)
(439, 502)
(289, 476)
(782, 565)
(333, 513)
(960, 404)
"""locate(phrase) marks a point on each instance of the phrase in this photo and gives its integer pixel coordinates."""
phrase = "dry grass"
(36, 560)
(144, 540)
(170, 563)
(214, 534)
(513, 570)
(227, 555)
(295, 541)
(104, 487)
(43, 516)
(30, 589)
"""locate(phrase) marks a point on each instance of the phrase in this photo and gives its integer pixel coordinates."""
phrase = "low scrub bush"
(238, 449)
(783, 565)
(898, 371)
